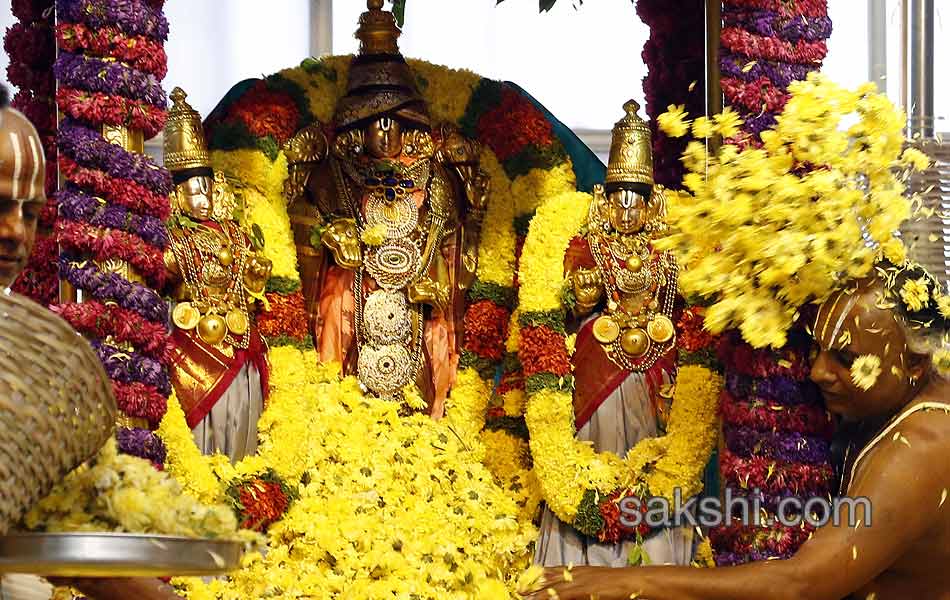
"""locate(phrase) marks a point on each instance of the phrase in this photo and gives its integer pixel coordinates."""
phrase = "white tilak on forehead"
(35, 152)
(17, 164)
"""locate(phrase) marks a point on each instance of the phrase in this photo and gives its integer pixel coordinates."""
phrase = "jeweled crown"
(631, 151)
(185, 146)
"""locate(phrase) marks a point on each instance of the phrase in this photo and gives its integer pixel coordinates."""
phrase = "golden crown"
(631, 151)
(378, 32)
(185, 146)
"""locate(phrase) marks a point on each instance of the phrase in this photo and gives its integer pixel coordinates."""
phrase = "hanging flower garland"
(30, 46)
(583, 487)
(115, 201)
(766, 45)
(675, 57)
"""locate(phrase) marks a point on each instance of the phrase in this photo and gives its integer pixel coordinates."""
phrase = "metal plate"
(116, 555)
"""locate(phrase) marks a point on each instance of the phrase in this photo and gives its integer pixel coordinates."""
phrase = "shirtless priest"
(883, 362)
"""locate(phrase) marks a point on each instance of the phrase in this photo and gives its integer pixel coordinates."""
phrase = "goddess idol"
(386, 210)
(625, 294)
(219, 367)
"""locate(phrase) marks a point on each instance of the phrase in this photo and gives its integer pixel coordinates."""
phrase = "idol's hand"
(477, 189)
(583, 583)
(588, 289)
(258, 272)
(427, 291)
(342, 240)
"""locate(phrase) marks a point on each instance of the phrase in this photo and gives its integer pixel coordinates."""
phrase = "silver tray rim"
(72, 554)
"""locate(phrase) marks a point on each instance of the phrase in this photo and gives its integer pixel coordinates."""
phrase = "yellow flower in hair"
(673, 122)
(916, 294)
(865, 371)
(941, 362)
(375, 235)
(943, 304)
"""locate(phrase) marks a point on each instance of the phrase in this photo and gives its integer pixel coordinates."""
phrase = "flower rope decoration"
(31, 48)
(583, 487)
(115, 201)
(766, 45)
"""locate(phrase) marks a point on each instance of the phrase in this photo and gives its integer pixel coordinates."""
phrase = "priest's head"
(22, 191)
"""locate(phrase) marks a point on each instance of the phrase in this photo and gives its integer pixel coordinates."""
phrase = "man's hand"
(583, 583)
(119, 589)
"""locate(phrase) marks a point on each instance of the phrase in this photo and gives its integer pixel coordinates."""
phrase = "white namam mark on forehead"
(35, 155)
(17, 164)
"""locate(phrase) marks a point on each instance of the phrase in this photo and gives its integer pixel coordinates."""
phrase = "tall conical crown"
(185, 146)
(631, 151)
(380, 82)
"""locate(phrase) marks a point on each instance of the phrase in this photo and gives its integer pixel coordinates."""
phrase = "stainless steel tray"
(116, 555)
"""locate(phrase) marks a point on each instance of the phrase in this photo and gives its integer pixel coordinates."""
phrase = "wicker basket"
(56, 404)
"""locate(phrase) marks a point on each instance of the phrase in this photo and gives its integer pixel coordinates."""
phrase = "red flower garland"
(106, 109)
(138, 52)
(513, 125)
(125, 192)
(614, 530)
(486, 329)
(750, 44)
(777, 539)
(267, 113)
(40, 278)
(140, 401)
(264, 502)
(773, 477)
(755, 96)
(100, 320)
(806, 419)
(105, 244)
(543, 351)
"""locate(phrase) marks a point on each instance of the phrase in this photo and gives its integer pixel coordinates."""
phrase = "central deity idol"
(386, 211)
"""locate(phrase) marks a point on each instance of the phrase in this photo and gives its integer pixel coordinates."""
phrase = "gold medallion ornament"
(660, 329)
(237, 322)
(386, 318)
(635, 342)
(185, 316)
(606, 330)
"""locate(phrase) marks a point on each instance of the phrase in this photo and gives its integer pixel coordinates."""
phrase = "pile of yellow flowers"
(122, 493)
(766, 230)
(390, 506)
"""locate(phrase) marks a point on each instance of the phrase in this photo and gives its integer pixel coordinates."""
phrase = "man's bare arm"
(904, 484)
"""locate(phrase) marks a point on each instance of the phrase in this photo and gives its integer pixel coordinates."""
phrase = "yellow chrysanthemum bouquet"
(765, 230)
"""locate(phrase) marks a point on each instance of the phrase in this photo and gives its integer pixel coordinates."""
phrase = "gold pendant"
(185, 316)
(661, 329)
(635, 342)
(237, 322)
(606, 330)
(212, 329)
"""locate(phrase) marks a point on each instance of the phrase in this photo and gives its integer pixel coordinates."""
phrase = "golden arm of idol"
(460, 156)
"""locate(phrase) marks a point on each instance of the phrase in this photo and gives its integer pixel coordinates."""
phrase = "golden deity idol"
(218, 272)
(386, 210)
(624, 354)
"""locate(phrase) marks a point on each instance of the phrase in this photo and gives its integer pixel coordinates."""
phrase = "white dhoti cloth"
(25, 587)
(231, 426)
(625, 417)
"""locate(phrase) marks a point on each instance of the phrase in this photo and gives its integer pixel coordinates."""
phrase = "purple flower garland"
(141, 443)
(789, 447)
(128, 366)
(95, 75)
(110, 286)
(89, 149)
(76, 205)
(771, 24)
(131, 16)
(779, 73)
(783, 390)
